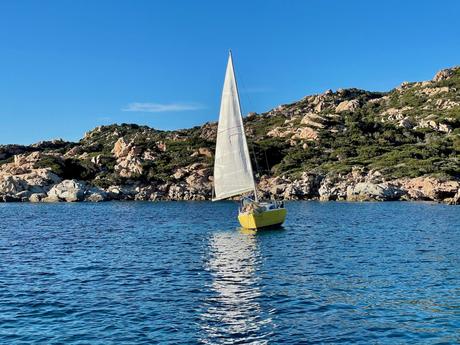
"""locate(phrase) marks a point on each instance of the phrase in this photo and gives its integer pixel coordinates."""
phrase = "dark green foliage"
(107, 179)
(365, 137)
(262, 124)
(407, 99)
(267, 153)
(360, 139)
(299, 159)
(59, 146)
(55, 164)
(8, 151)
(7, 160)
(79, 169)
(394, 150)
(68, 168)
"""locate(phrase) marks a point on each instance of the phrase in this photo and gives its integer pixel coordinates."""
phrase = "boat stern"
(263, 219)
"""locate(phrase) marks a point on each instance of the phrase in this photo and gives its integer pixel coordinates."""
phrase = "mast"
(256, 198)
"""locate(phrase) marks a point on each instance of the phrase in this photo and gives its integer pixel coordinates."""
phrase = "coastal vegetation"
(410, 132)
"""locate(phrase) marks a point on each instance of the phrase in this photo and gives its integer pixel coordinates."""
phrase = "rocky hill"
(349, 144)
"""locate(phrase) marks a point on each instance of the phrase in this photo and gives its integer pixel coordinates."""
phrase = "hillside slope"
(350, 144)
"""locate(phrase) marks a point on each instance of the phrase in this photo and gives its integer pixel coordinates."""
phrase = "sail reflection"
(233, 313)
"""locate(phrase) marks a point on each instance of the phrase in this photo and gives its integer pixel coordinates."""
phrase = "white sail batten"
(232, 165)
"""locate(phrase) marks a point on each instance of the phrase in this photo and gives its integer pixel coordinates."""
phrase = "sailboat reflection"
(233, 313)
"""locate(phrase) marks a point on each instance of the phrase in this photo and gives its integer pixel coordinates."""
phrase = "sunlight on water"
(181, 273)
(234, 313)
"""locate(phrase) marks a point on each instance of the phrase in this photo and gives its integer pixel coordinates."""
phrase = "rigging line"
(269, 172)
(266, 162)
(242, 119)
(255, 160)
(243, 86)
(248, 96)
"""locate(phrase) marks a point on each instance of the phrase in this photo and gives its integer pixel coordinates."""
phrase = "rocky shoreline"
(20, 181)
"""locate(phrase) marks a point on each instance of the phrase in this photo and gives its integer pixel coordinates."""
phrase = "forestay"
(232, 164)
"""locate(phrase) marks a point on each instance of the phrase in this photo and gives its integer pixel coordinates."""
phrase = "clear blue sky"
(68, 66)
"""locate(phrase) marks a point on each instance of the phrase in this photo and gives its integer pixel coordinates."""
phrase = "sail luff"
(233, 173)
(242, 126)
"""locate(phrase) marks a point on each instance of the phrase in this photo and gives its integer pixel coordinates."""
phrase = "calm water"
(181, 273)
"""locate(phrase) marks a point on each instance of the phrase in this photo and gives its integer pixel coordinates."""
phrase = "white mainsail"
(232, 165)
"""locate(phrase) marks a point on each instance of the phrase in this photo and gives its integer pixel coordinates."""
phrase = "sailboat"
(233, 174)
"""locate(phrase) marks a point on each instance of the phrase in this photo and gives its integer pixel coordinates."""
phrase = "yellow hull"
(263, 219)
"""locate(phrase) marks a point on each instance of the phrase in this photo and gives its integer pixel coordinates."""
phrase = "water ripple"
(181, 273)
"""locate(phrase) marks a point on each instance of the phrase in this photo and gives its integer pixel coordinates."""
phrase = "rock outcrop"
(446, 74)
(364, 191)
(347, 144)
(67, 190)
(430, 188)
(20, 179)
(347, 106)
(361, 187)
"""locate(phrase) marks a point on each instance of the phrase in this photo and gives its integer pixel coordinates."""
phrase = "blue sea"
(184, 273)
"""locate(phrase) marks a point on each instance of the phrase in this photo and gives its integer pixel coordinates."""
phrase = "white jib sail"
(232, 164)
